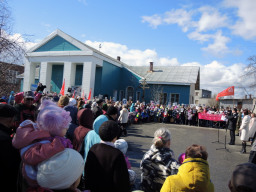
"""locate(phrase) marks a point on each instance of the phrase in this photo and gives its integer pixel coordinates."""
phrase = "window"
(129, 93)
(138, 96)
(175, 98)
(121, 95)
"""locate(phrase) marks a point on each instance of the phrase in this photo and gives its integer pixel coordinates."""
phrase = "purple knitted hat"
(53, 118)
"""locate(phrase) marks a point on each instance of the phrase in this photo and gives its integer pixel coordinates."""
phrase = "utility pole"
(144, 86)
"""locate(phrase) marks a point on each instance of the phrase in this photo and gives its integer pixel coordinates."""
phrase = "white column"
(69, 75)
(46, 75)
(29, 75)
(89, 70)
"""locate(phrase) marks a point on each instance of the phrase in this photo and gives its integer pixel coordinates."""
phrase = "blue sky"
(217, 35)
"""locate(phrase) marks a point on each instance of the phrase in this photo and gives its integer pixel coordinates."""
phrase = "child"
(122, 145)
(42, 140)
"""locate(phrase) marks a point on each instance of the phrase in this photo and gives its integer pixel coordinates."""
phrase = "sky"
(217, 35)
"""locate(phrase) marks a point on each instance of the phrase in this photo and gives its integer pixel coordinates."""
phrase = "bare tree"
(250, 71)
(11, 45)
(156, 92)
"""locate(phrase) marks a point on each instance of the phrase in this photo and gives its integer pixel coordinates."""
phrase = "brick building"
(8, 80)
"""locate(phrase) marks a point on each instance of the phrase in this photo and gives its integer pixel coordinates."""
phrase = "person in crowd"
(97, 111)
(158, 163)
(11, 98)
(88, 105)
(105, 167)
(232, 120)
(9, 156)
(252, 135)
(93, 137)
(104, 108)
(25, 110)
(85, 119)
(60, 173)
(71, 107)
(80, 104)
(40, 141)
(40, 87)
(123, 119)
(243, 178)
(244, 128)
(239, 121)
(193, 174)
(63, 101)
(122, 145)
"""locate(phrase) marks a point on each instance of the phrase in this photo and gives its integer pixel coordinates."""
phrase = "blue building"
(60, 57)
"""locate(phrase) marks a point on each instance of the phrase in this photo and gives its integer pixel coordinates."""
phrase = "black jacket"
(9, 160)
(232, 119)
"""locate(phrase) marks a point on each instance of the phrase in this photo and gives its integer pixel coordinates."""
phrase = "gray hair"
(161, 137)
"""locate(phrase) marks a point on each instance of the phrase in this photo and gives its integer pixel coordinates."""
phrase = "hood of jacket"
(85, 118)
(195, 174)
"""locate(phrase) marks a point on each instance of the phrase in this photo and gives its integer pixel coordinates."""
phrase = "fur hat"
(53, 118)
(122, 145)
(61, 170)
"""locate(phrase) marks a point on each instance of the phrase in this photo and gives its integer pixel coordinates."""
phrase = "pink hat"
(53, 118)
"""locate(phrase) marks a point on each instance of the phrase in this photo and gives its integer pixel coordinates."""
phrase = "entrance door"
(57, 78)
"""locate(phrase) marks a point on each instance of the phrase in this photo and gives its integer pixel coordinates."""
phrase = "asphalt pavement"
(221, 161)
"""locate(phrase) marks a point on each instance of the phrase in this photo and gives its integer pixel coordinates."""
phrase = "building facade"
(8, 80)
(60, 57)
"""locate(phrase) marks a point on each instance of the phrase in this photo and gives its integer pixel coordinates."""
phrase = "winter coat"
(105, 169)
(252, 133)
(93, 137)
(9, 160)
(35, 146)
(193, 175)
(245, 128)
(156, 165)
(232, 120)
(85, 119)
(73, 124)
(124, 114)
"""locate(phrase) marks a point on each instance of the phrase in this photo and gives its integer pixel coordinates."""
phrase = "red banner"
(62, 88)
(226, 92)
(210, 117)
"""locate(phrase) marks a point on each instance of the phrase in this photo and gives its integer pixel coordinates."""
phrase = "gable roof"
(185, 75)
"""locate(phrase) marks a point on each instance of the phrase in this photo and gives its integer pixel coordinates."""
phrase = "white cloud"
(211, 19)
(245, 26)
(218, 47)
(153, 20)
(195, 35)
(180, 17)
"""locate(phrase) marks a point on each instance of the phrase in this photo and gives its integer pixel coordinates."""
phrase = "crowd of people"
(59, 143)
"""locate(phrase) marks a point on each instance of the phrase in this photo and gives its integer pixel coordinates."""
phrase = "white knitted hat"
(122, 145)
(72, 102)
(61, 170)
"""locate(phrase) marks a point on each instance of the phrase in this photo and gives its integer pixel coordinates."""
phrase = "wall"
(182, 90)
(110, 79)
(246, 103)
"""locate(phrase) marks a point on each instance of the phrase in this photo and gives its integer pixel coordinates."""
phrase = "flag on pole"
(89, 97)
(62, 88)
(227, 92)
(73, 96)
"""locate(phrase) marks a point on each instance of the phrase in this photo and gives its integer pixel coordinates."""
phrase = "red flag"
(73, 96)
(226, 92)
(89, 97)
(62, 88)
